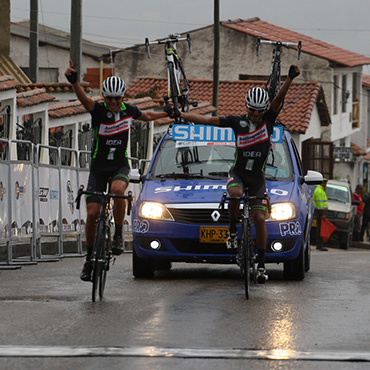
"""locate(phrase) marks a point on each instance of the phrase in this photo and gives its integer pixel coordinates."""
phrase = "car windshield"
(180, 159)
(279, 164)
(338, 192)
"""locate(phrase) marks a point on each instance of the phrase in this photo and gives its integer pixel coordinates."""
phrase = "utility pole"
(34, 41)
(216, 55)
(76, 36)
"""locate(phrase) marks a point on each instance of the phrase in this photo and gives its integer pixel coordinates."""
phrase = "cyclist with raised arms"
(111, 121)
(252, 134)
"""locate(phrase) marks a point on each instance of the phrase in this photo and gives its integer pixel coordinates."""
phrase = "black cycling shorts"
(98, 180)
(256, 185)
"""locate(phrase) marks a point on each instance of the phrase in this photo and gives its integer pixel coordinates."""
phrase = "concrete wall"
(49, 57)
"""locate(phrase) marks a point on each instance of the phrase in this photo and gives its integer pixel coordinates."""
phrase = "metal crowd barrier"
(38, 185)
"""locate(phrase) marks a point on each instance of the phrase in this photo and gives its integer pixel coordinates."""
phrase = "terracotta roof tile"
(53, 87)
(259, 28)
(8, 83)
(61, 110)
(296, 113)
(357, 150)
(33, 97)
(366, 80)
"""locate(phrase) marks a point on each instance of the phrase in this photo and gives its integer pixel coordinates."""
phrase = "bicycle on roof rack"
(274, 81)
(178, 85)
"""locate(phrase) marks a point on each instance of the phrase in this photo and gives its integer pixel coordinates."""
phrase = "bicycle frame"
(178, 86)
(274, 82)
(101, 255)
(246, 256)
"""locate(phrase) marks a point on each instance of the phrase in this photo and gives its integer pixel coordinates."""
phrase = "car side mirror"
(313, 178)
(135, 176)
(355, 203)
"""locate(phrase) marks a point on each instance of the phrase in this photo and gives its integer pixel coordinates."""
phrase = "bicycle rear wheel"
(98, 251)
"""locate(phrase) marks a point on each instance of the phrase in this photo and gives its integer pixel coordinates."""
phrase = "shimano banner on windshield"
(213, 133)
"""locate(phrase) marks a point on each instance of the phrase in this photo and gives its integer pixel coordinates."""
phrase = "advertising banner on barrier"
(21, 198)
(48, 199)
(4, 201)
(68, 192)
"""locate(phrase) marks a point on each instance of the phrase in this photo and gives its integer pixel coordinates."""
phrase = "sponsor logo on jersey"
(118, 127)
(255, 137)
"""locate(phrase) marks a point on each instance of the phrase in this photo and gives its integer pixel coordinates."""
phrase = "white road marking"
(199, 353)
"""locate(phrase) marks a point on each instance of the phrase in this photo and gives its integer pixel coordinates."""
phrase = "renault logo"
(215, 216)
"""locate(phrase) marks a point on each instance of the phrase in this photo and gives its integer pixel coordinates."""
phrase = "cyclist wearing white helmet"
(110, 121)
(252, 134)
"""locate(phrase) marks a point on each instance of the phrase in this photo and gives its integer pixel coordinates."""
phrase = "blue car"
(176, 216)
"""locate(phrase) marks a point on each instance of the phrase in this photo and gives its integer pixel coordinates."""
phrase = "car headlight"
(343, 215)
(282, 211)
(155, 211)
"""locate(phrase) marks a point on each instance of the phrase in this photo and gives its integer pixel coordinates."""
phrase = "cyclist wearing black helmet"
(111, 121)
(252, 134)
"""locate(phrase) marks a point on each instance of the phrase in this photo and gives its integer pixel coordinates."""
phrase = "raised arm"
(276, 103)
(71, 76)
(199, 119)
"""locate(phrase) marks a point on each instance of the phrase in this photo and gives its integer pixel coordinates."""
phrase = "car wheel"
(295, 270)
(141, 267)
(345, 240)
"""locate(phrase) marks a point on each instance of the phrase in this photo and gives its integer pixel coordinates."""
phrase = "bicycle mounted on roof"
(273, 83)
(178, 85)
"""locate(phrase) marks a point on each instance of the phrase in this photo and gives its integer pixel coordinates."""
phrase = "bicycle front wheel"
(98, 253)
(173, 86)
(246, 257)
(105, 263)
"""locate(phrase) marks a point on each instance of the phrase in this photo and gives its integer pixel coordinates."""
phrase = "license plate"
(314, 223)
(213, 234)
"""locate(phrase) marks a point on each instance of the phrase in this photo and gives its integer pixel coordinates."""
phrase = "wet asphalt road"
(192, 317)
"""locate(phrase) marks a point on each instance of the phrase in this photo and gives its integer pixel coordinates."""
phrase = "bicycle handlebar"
(245, 197)
(298, 45)
(81, 191)
(172, 39)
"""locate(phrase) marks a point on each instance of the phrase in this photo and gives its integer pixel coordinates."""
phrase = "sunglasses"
(256, 110)
(113, 97)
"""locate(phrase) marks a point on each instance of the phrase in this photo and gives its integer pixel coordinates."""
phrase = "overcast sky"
(122, 23)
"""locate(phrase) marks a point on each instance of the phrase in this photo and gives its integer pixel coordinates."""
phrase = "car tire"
(295, 269)
(345, 240)
(141, 267)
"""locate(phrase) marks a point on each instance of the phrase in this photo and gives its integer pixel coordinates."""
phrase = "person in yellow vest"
(320, 202)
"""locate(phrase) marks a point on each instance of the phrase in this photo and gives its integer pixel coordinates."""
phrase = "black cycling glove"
(72, 78)
(292, 72)
(168, 109)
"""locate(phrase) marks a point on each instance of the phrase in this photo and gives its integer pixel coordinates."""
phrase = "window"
(335, 95)
(344, 94)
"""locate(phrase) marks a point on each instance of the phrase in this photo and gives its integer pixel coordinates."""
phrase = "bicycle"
(246, 255)
(102, 256)
(178, 87)
(274, 81)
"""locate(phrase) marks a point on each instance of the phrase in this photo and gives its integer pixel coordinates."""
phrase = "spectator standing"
(365, 216)
(357, 196)
(320, 202)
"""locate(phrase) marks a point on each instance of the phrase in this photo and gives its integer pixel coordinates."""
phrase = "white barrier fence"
(37, 200)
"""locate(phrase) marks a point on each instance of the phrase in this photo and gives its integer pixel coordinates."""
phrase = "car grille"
(198, 216)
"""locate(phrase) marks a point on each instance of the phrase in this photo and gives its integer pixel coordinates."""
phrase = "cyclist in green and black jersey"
(111, 121)
(252, 134)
